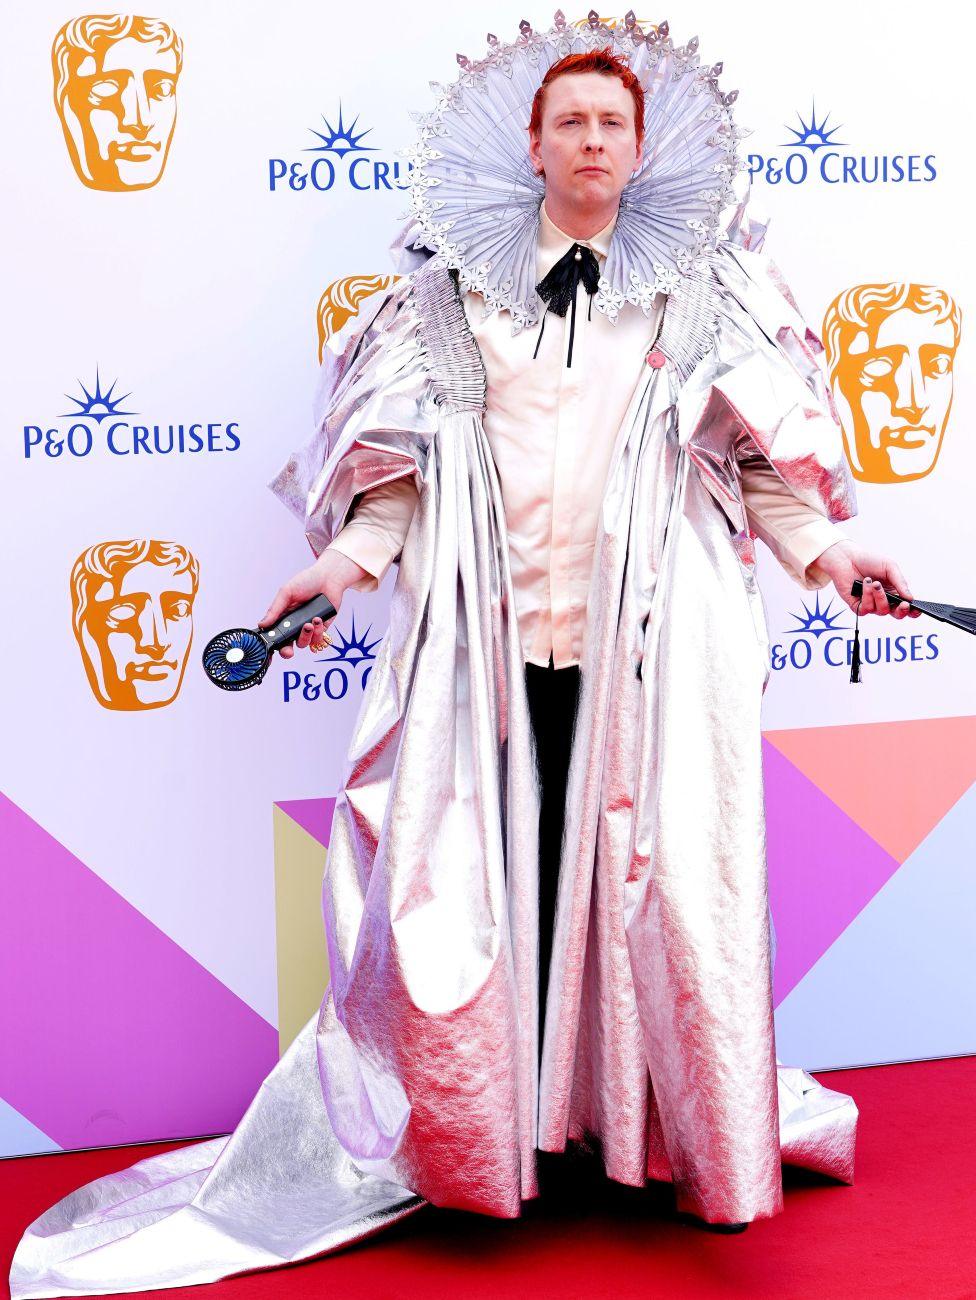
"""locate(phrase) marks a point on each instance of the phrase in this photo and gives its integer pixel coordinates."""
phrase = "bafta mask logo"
(890, 353)
(341, 300)
(132, 613)
(115, 91)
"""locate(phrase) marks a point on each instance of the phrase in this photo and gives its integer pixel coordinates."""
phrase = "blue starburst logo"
(97, 406)
(341, 139)
(813, 135)
(353, 649)
(817, 621)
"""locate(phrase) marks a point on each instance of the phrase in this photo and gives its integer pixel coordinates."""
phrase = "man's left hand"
(845, 561)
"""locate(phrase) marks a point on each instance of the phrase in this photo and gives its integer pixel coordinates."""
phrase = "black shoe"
(694, 1221)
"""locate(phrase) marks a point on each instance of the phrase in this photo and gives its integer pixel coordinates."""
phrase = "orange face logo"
(132, 613)
(890, 352)
(341, 300)
(115, 91)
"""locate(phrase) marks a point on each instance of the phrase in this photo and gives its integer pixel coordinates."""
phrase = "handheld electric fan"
(239, 657)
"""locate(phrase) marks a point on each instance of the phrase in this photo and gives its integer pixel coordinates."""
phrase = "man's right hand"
(331, 574)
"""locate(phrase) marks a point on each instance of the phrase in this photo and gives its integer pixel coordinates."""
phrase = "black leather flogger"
(558, 289)
(960, 616)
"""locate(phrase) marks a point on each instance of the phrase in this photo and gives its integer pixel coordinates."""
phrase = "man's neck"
(581, 223)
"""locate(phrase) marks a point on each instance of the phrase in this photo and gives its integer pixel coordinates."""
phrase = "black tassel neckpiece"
(558, 289)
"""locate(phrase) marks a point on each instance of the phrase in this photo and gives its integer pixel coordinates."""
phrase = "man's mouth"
(602, 170)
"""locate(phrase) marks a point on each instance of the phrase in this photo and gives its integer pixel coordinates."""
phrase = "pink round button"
(656, 359)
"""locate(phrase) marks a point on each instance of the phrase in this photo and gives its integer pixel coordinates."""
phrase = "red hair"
(604, 61)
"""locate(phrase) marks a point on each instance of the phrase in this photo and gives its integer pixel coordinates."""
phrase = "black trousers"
(553, 697)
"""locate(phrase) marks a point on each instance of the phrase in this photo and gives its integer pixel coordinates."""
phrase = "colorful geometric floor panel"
(118, 1034)
(870, 831)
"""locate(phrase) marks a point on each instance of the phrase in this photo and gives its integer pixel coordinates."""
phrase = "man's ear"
(534, 145)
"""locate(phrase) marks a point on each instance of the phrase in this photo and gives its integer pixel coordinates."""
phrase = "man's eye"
(163, 89)
(103, 89)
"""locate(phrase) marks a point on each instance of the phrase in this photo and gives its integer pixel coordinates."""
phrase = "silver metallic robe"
(416, 1080)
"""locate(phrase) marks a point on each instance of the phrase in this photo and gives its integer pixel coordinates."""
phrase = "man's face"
(124, 105)
(136, 635)
(896, 381)
(588, 143)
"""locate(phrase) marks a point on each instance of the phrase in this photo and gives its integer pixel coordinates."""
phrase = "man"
(553, 405)
(419, 1079)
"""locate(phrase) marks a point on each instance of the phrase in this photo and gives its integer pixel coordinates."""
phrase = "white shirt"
(551, 428)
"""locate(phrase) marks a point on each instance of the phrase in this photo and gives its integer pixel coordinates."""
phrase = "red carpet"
(907, 1228)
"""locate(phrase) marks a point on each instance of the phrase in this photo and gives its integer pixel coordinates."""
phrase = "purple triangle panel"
(313, 815)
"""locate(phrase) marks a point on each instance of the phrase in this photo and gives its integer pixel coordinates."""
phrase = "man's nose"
(593, 142)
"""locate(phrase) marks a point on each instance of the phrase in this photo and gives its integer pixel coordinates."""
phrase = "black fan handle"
(289, 626)
(894, 600)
